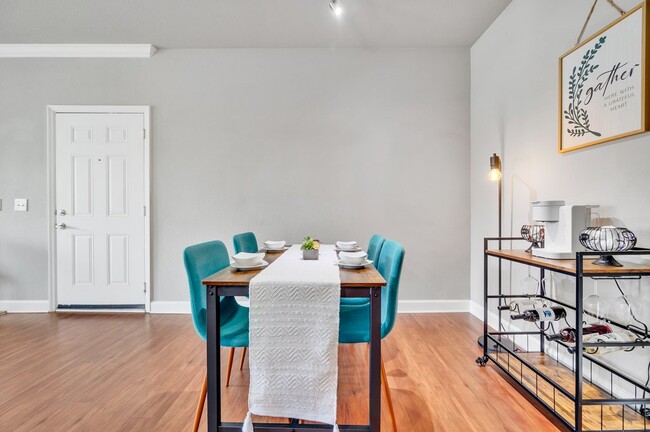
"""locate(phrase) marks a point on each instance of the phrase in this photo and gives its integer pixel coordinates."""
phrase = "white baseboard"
(403, 306)
(170, 307)
(432, 306)
(25, 306)
(101, 311)
(476, 309)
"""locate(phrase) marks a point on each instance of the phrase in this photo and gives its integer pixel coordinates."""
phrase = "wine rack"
(579, 389)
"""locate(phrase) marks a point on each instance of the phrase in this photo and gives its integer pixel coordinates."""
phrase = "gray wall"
(338, 144)
(514, 91)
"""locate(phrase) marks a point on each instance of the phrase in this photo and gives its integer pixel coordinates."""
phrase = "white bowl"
(353, 258)
(248, 259)
(274, 245)
(346, 245)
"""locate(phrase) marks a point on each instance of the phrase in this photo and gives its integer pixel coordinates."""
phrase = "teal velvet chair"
(245, 242)
(355, 319)
(374, 247)
(201, 261)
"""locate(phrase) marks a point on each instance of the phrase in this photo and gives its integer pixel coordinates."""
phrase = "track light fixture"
(337, 10)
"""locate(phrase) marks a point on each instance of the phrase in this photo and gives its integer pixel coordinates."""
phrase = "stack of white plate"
(248, 261)
(348, 246)
(274, 245)
(353, 259)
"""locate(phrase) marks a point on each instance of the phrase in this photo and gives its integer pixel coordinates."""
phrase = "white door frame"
(52, 110)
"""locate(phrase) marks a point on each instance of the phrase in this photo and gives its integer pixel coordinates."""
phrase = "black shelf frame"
(576, 350)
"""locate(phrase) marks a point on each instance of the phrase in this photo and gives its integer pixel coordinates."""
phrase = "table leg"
(375, 359)
(214, 360)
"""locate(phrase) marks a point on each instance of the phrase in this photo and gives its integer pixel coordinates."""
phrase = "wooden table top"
(366, 277)
(569, 266)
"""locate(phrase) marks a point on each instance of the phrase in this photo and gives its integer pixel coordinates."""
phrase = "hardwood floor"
(101, 372)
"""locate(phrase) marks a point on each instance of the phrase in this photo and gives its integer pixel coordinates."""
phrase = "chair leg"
(384, 381)
(231, 354)
(199, 407)
(243, 356)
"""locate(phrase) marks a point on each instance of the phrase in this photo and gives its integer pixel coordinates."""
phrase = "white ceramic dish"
(249, 267)
(248, 259)
(356, 249)
(354, 266)
(353, 258)
(276, 250)
(274, 245)
(346, 245)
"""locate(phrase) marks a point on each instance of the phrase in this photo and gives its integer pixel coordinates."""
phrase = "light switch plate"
(20, 204)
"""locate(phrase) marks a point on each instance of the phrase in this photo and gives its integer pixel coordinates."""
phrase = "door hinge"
(144, 210)
(145, 286)
(144, 134)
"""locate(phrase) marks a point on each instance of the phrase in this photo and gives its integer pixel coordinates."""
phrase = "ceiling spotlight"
(336, 7)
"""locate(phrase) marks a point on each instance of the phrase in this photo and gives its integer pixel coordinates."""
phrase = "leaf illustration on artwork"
(577, 115)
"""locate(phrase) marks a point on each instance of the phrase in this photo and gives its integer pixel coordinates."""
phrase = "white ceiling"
(248, 23)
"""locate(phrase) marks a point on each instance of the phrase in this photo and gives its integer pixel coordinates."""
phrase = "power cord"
(644, 411)
(628, 304)
(645, 327)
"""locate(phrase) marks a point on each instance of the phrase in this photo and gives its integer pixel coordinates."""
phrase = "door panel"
(82, 134)
(82, 186)
(117, 186)
(118, 259)
(82, 258)
(100, 200)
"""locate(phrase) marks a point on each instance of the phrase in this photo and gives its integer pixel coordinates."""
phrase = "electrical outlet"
(20, 204)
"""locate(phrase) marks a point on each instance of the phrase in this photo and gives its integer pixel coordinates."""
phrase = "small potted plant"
(310, 248)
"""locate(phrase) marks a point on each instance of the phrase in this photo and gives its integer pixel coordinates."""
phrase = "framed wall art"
(603, 84)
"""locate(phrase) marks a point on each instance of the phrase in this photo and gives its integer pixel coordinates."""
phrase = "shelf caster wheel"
(481, 361)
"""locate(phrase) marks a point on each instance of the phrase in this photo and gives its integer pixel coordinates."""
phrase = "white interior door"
(100, 219)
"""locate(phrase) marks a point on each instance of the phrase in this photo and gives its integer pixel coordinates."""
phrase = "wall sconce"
(495, 168)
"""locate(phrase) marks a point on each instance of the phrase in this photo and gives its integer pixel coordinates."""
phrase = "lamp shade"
(607, 239)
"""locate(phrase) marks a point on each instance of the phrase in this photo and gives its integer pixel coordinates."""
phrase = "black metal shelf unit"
(572, 386)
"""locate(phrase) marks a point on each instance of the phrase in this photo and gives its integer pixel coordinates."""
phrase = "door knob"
(62, 213)
(60, 226)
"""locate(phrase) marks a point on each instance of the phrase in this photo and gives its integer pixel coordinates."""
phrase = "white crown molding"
(77, 50)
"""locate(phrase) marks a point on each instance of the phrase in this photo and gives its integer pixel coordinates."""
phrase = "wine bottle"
(524, 304)
(554, 313)
(568, 334)
(623, 336)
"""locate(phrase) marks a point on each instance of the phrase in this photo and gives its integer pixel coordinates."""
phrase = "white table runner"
(294, 327)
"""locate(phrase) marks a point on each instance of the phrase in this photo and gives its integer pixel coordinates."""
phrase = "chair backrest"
(389, 265)
(201, 261)
(245, 242)
(374, 246)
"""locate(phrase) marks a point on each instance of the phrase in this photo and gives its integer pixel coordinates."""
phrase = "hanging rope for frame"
(591, 11)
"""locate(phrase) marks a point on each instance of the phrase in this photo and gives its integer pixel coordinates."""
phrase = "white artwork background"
(617, 110)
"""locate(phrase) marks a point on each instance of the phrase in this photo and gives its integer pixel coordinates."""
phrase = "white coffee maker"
(562, 227)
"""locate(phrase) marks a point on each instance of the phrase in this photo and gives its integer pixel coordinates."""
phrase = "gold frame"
(645, 119)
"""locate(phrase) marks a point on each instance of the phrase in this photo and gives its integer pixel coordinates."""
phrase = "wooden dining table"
(360, 283)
